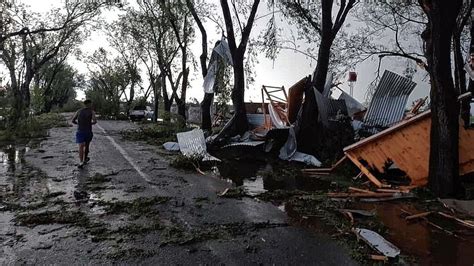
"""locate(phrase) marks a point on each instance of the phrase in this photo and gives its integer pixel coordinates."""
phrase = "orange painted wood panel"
(408, 147)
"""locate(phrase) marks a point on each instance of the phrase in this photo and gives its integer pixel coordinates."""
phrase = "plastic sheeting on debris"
(171, 146)
(289, 153)
(378, 243)
(210, 78)
(289, 148)
(327, 85)
(276, 120)
(353, 106)
(469, 70)
(305, 158)
(222, 50)
(192, 143)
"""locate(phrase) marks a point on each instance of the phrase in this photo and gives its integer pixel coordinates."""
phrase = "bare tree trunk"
(444, 151)
(181, 102)
(240, 123)
(206, 104)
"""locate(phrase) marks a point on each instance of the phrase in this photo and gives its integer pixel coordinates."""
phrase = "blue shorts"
(83, 137)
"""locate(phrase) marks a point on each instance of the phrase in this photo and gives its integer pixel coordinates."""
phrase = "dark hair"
(86, 102)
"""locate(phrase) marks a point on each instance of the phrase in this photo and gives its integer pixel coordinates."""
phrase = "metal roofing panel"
(192, 143)
(389, 101)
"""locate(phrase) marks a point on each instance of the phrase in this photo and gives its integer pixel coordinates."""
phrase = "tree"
(165, 40)
(129, 50)
(444, 144)
(208, 97)
(55, 85)
(315, 21)
(459, 72)
(37, 47)
(184, 33)
(238, 124)
(109, 80)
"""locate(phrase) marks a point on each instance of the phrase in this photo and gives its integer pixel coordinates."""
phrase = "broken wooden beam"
(361, 190)
(358, 195)
(460, 221)
(418, 215)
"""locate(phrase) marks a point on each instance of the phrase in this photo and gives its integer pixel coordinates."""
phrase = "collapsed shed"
(407, 146)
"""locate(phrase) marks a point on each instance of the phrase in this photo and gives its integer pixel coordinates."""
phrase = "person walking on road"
(84, 119)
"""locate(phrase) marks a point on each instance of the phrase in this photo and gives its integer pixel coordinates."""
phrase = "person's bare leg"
(81, 152)
(86, 152)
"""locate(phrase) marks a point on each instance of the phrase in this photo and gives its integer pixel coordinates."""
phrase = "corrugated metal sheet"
(389, 101)
(192, 143)
(247, 144)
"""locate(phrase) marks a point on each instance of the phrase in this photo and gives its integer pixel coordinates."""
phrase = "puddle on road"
(259, 176)
(422, 241)
(416, 239)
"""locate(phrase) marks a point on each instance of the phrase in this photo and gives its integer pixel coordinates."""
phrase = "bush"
(34, 127)
(156, 134)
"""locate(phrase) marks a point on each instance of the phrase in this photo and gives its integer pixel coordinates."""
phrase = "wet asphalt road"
(238, 232)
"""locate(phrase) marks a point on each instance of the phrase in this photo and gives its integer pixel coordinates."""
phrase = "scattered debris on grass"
(61, 216)
(136, 208)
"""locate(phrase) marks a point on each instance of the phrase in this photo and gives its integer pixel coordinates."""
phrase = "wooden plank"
(364, 170)
(361, 190)
(418, 215)
(359, 195)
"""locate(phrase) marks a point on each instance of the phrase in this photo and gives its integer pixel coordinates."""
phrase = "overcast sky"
(287, 69)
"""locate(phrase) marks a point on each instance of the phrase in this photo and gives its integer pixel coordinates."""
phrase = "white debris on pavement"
(171, 146)
(377, 242)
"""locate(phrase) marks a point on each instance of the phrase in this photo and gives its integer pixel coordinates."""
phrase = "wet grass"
(139, 207)
(129, 253)
(179, 236)
(61, 216)
(186, 163)
(155, 134)
(33, 127)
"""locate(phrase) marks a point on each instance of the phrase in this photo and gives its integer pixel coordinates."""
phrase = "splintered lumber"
(364, 170)
(361, 190)
(462, 222)
(407, 145)
(359, 195)
(434, 225)
(359, 175)
(224, 192)
(378, 257)
(309, 170)
(418, 215)
(392, 190)
(360, 212)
